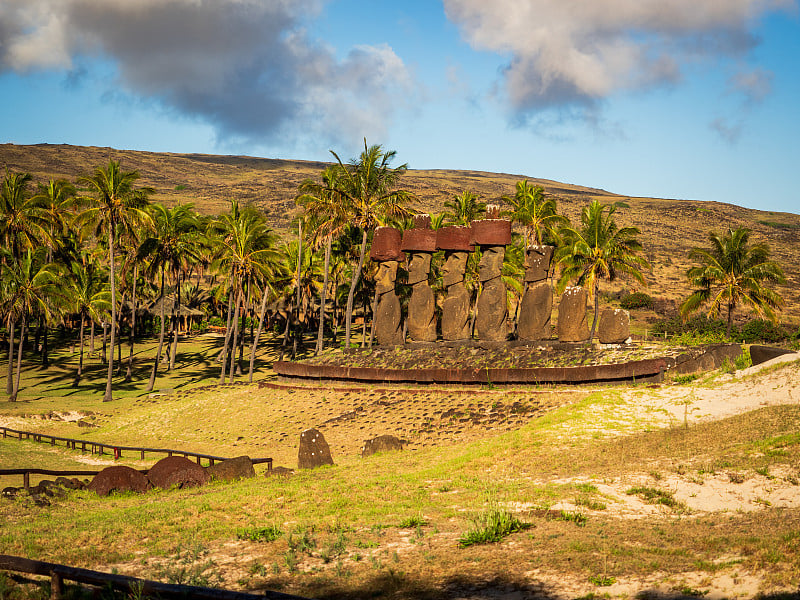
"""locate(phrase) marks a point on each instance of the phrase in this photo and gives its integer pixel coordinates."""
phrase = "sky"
(688, 99)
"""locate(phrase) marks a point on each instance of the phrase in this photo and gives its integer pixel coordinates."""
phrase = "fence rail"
(132, 585)
(113, 449)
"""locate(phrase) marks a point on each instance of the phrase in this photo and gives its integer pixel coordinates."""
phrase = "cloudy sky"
(695, 99)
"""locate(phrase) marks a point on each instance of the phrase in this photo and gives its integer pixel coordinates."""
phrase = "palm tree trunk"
(152, 381)
(129, 371)
(235, 336)
(730, 319)
(79, 373)
(104, 354)
(112, 277)
(323, 298)
(175, 315)
(10, 375)
(258, 331)
(20, 347)
(91, 338)
(352, 292)
(596, 311)
(374, 312)
(228, 331)
(45, 346)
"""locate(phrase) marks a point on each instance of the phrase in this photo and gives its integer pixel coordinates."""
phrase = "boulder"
(386, 244)
(614, 327)
(537, 262)
(419, 240)
(382, 443)
(177, 471)
(761, 354)
(314, 450)
(491, 232)
(535, 311)
(572, 323)
(455, 238)
(119, 479)
(284, 472)
(240, 467)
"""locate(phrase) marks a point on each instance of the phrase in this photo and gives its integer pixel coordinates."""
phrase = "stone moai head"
(491, 265)
(418, 267)
(537, 262)
(455, 264)
(385, 278)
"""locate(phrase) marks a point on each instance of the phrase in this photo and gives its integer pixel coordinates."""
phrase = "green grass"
(491, 526)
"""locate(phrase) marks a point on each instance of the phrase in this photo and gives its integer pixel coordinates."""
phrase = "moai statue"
(572, 322)
(420, 244)
(388, 317)
(537, 300)
(456, 241)
(492, 235)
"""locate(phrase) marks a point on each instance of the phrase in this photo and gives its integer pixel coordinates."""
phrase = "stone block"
(419, 240)
(382, 443)
(614, 327)
(535, 311)
(386, 244)
(456, 238)
(491, 232)
(119, 479)
(232, 469)
(177, 471)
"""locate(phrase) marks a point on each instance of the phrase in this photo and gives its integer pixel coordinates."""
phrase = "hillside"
(669, 227)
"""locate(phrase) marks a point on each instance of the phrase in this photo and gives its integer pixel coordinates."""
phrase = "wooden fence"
(112, 449)
(134, 586)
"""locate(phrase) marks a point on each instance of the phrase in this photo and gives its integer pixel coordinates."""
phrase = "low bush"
(761, 330)
(491, 526)
(637, 300)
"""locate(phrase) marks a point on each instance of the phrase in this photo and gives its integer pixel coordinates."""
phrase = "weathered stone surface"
(455, 264)
(491, 321)
(388, 315)
(422, 221)
(419, 240)
(284, 472)
(72, 483)
(177, 471)
(713, 358)
(537, 262)
(455, 314)
(572, 323)
(119, 479)
(491, 232)
(314, 450)
(240, 467)
(419, 267)
(491, 265)
(761, 354)
(614, 327)
(386, 244)
(421, 313)
(535, 311)
(382, 443)
(455, 238)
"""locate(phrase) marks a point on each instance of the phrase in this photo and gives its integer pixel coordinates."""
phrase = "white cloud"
(577, 52)
(245, 66)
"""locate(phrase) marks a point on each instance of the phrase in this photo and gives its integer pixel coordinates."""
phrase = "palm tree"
(464, 208)
(34, 289)
(243, 248)
(23, 221)
(88, 296)
(531, 209)
(117, 205)
(366, 186)
(170, 246)
(733, 272)
(598, 250)
(325, 211)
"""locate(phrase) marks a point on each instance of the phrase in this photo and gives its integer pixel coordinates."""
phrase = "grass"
(346, 526)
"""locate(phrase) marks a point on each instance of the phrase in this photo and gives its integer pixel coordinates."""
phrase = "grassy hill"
(669, 227)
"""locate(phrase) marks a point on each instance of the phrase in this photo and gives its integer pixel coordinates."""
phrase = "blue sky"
(692, 99)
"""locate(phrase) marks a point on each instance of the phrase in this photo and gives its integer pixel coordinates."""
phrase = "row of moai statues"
(418, 244)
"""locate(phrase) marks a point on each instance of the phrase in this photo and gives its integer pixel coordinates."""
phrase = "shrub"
(637, 300)
(269, 533)
(761, 330)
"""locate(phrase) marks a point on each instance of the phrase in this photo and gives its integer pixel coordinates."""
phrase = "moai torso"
(537, 301)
